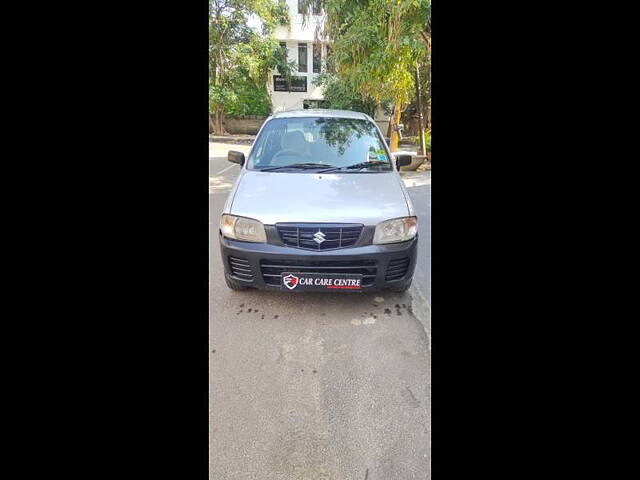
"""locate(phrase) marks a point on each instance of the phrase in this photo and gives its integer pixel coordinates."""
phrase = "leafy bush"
(245, 89)
(220, 96)
(249, 100)
(339, 94)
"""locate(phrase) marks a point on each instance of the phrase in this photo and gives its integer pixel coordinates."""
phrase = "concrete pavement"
(315, 385)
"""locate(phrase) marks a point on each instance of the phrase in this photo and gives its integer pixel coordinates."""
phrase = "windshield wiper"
(297, 165)
(360, 165)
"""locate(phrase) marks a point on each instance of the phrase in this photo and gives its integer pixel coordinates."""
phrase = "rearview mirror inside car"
(401, 160)
(236, 157)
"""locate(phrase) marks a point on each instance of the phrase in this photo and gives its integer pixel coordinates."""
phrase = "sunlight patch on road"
(365, 321)
(227, 168)
(218, 183)
(414, 179)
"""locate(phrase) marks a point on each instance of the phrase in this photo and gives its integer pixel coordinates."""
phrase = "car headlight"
(241, 228)
(396, 230)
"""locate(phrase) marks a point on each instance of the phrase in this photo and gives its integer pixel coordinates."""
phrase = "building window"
(283, 46)
(296, 84)
(317, 57)
(300, 6)
(302, 57)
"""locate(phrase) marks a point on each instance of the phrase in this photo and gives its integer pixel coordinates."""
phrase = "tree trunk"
(429, 104)
(211, 127)
(390, 126)
(394, 138)
(218, 128)
(423, 149)
(428, 118)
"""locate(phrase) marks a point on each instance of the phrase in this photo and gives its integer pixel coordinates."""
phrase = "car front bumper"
(258, 265)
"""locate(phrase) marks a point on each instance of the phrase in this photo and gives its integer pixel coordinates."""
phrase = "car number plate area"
(320, 281)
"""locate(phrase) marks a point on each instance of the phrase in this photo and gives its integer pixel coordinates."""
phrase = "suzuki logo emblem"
(319, 237)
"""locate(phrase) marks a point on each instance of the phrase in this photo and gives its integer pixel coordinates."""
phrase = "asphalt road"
(313, 386)
(419, 186)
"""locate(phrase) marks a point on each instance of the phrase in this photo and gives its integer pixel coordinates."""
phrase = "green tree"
(376, 45)
(240, 58)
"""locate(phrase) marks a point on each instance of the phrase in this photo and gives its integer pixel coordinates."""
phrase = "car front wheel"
(401, 288)
(234, 284)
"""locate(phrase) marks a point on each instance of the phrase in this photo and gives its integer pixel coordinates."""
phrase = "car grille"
(271, 269)
(397, 269)
(241, 268)
(332, 236)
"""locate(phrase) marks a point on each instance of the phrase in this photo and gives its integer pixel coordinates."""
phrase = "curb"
(421, 310)
(244, 140)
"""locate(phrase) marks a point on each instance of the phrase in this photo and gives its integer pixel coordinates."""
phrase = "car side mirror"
(401, 160)
(235, 157)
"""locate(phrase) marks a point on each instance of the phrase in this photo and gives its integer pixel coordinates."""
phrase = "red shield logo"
(290, 281)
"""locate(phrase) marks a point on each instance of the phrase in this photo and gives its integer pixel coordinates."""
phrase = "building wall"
(296, 30)
(293, 35)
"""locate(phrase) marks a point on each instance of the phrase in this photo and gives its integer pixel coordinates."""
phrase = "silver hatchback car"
(319, 205)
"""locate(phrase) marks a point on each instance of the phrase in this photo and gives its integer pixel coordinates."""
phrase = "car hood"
(366, 198)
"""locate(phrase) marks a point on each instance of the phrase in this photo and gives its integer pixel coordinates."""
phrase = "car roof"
(321, 112)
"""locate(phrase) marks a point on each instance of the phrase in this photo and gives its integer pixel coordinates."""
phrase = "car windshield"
(308, 144)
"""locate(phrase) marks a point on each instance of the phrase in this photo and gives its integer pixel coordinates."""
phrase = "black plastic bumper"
(256, 255)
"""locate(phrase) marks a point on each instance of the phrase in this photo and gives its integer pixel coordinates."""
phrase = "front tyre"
(234, 284)
(401, 288)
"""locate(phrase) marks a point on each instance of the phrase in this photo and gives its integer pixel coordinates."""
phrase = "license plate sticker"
(320, 281)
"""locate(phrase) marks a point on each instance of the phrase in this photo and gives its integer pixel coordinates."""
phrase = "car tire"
(234, 284)
(401, 288)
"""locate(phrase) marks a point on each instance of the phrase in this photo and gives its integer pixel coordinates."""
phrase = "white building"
(308, 55)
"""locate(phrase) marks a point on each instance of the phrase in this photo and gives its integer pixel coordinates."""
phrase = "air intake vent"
(319, 236)
(240, 268)
(397, 269)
